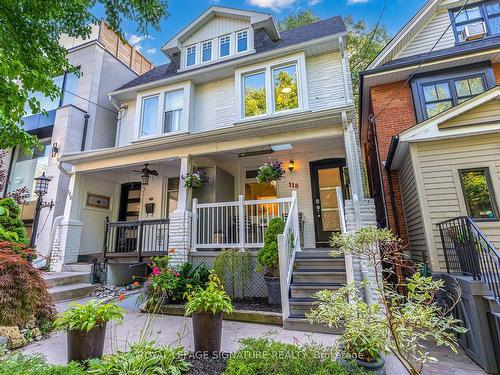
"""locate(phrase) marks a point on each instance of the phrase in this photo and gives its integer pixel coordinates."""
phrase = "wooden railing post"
(241, 220)
(296, 223)
(194, 225)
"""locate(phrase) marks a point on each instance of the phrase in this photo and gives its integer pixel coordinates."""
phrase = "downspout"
(85, 126)
(390, 157)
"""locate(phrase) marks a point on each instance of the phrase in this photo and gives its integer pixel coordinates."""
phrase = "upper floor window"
(224, 46)
(173, 111)
(435, 94)
(190, 55)
(242, 41)
(149, 115)
(477, 21)
(206, 51)
(254, 89)
(285, 88)
(478, 193)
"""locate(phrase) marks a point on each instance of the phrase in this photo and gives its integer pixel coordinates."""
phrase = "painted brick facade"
(392, 104)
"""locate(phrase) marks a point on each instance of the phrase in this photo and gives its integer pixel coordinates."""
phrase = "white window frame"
(187, 88)
(173, 109)
(143, 99)
(203, 49)
(220, 43)
(195, 46)
(237, 38)
(299, 60)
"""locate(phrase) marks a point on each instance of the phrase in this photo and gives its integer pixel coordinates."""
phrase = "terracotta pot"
(273, 290)
(207, 331)
(83, 345)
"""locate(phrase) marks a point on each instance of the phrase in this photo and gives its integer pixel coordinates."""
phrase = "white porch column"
(179, 238)
(67, 235)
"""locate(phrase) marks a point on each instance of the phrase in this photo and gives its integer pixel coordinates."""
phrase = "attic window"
(191, 55)
(487, 13)
(242, 38)
(206, 51)
(224, 46)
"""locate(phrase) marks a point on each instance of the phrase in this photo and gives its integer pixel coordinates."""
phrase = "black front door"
(130, 204)
(326, 176)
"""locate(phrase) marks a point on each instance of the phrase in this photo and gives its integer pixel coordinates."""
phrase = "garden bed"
(206, 365)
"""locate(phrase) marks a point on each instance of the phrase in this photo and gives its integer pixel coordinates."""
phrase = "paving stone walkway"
(177, 330)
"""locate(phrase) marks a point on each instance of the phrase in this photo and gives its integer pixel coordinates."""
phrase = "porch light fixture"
(286, 90)
(145, 179)
(291, 166)
(41, 189)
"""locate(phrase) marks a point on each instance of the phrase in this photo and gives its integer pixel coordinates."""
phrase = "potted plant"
(86, 328)
(195, 179)
(272, 171)
(206, 305)
(268, 260)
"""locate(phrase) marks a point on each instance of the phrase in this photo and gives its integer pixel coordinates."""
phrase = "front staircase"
(68, 285)
(313, 270)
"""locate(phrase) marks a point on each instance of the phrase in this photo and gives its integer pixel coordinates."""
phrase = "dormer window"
(242, 41)
(476, 21)
(191, 56)
(224, 46)
(206, 51)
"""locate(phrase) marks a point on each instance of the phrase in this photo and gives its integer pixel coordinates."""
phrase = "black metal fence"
(141, 238)
(468, 251)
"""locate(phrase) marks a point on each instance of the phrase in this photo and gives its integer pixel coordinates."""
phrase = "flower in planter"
(195, 179)
(156, 271)
(270, 172)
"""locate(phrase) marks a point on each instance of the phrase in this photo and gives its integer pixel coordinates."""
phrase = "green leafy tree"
(364, 43)
(294, 20)
(11, 226)
(30, 54)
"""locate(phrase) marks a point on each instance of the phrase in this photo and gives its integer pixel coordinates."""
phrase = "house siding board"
(218, 26)
(487, 112)
(325, 81)
(428, 36)
(443, 191)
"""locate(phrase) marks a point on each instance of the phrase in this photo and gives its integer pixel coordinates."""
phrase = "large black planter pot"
(207, 332)
(83, 345)
(273, 290)
(376, 368)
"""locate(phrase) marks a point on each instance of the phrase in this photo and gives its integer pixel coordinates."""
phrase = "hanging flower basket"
(271, 171)
(195, 179)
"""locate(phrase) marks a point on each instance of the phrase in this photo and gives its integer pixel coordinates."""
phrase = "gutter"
(392, 152)
(390, 157)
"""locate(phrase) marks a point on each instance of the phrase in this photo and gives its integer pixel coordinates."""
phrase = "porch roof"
(302, 126)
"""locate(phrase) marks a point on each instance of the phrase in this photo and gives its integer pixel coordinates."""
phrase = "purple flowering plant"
(195, 179)
(271, 171)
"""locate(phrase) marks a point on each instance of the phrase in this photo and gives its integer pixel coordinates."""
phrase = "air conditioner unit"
(474, 31)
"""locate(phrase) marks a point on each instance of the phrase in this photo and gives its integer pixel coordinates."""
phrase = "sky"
(183, 12)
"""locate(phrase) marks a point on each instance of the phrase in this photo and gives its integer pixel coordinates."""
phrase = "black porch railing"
(468, 251)
(136, 238)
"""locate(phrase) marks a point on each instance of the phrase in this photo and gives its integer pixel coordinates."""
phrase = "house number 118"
(293, 185)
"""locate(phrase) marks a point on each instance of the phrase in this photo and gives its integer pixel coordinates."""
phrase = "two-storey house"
(430, 115)
(83, 118)
(236, 94)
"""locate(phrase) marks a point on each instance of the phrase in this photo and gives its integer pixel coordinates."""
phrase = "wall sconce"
(291, 166)
(55, 149)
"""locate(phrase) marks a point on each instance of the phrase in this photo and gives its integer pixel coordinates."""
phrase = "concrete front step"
(307, 290)
(71, 291)
(53, 279)
(302, 324)
(300, 306)
(325, 275)
(78, 267)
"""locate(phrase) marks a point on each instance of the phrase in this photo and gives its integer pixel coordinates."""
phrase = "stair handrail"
(467, 249)
(288, 245)
(343, 229)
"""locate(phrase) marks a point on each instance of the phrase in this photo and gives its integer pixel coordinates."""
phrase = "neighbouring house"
(430, 116)
(235, 94)
(83, 118)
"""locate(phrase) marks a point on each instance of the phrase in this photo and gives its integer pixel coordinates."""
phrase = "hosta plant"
(212, 298)
(85, 317)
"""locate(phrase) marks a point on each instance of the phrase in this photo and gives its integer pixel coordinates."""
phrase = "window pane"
(70, 89)
(28, 166)
(469, 87)
(242, 41)
(191, 56)
(440, 91)
(207, 52)
(46, 103)
(435, 108)
(224, 46)
(494, 23)
(493, 7)
(172, 121)
(477, 194)
(254, 88)
(285, 88)
(149, 116)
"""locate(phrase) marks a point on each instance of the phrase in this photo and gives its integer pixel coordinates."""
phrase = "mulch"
(255, 304)
(204, 364)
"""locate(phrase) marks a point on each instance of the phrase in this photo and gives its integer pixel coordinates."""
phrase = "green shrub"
(85, 317)
(11, 226)
(21, 364)
(142, 358)
(267, 258)
(263, 356)
(213, 298)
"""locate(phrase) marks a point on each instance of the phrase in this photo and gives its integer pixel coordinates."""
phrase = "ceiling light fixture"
(255, 153)
(286, 90)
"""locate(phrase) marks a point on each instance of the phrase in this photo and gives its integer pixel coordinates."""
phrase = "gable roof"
(263, 43)
(447, 124)
(257, 19)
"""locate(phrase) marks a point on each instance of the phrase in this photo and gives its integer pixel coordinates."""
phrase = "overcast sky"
(182, 12)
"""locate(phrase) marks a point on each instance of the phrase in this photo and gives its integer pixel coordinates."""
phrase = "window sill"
(160, 136)
(272, 116)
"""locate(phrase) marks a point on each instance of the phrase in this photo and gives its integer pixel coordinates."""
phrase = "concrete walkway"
(176, 330)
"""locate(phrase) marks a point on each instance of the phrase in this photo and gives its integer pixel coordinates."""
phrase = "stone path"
(177, 330)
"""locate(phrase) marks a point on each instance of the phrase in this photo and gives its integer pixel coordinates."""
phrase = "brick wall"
(392, 119)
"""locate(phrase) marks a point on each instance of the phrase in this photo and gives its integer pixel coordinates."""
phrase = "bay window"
(173, 111)
(149, 115)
